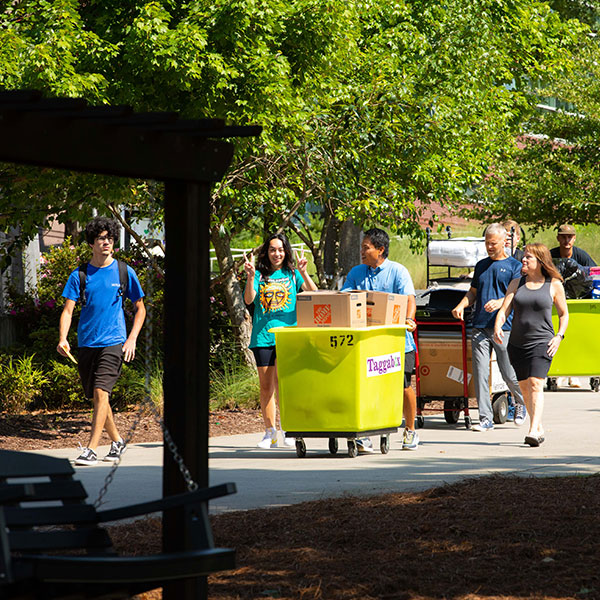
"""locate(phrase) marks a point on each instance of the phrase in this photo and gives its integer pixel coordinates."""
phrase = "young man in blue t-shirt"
(378, 273)
(488, 288)
(102, 337)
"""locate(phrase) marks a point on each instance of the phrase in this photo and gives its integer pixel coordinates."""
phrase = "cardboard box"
(386, 309)
(441, 367)
(325, 308)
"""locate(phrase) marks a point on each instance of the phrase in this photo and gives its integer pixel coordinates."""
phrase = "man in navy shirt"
(379, 274)
(101, 334)
(488, 288)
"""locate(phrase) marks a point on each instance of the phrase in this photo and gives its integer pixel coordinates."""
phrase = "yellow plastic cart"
(579, 352)
(340, 383)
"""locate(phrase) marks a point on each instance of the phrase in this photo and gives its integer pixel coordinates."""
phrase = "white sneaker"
(364, 445)
(288, 441)
(269, 440)
(410, 440)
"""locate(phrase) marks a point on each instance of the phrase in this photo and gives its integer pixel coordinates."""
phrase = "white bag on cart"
(456, 252)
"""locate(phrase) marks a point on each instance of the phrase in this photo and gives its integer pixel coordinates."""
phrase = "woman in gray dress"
(533, 342)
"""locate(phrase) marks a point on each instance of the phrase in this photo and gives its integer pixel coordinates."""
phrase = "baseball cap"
(566, 229)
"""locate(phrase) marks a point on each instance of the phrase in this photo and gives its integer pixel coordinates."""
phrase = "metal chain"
(149, 405)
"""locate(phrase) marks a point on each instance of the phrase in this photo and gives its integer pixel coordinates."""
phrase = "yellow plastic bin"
(340, 382)
(579, 352)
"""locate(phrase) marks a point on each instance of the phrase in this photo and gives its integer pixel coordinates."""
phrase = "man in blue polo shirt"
(488, 288)
(379, 274)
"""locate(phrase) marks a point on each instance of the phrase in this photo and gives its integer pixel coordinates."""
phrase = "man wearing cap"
(567, 249)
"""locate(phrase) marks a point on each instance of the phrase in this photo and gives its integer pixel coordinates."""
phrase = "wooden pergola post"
(66, 133)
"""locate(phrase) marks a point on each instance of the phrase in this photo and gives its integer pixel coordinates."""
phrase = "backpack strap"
(123, 280)
(82, 281)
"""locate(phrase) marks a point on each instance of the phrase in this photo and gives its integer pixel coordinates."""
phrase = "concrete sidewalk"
(448, 453)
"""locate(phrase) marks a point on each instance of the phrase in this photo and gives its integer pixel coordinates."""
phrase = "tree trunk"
(72, 231)
(234, 297)
(341, 250)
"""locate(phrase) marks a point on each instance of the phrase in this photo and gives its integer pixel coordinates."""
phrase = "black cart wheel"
(552, 384)
(595, 384)
(468, 422)
(500, 406)
(300, 449)
(420, 421)
(384, 444)
(333, 445)
(451, 413)
(352, 449)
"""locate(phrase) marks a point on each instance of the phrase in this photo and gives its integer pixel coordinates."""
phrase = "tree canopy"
(369, 109)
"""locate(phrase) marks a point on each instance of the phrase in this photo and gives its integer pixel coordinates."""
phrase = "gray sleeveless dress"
(531, 330)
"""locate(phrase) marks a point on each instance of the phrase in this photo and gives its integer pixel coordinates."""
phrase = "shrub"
(21, 382)
(63, 389)
(235, 385)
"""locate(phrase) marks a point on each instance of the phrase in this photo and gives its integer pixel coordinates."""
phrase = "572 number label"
(337, 341)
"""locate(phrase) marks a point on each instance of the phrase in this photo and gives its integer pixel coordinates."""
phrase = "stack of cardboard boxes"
(350, 309)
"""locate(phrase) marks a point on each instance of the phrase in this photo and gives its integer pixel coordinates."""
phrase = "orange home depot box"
(386, 309)
(325, 308)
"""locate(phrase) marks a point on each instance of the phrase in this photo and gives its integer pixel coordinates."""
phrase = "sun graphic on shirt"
(275, 295)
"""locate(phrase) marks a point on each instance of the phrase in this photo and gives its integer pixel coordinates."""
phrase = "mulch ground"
(490, 538)
(43, 430)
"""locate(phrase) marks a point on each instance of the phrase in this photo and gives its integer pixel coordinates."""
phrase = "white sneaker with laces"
(87, 457)
(410, 440)
(364, 445)
(269, 440)
(520, 414)
(288, 441)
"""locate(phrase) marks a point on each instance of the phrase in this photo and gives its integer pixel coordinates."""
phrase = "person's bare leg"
(102, 418)
(409, 408)
(267, 378)
(537, 406)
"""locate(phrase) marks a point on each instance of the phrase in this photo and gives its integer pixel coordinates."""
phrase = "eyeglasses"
(105, 238)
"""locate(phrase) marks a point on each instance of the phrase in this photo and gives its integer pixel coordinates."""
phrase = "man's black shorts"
(99, 368)
(409, 367)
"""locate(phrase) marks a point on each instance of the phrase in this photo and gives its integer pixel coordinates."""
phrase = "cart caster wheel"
(300, 449)
(500, 407)
(468, 423)
(384, 444)
(420, 421)
(352, 449)
(595, 384)
(552, 384)
(333, 445)
(451, 413)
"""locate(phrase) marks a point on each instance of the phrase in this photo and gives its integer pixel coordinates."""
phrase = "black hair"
(380, 239)
(99, 224)
(263, 264)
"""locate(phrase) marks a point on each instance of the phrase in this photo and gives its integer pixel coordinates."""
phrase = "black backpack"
(123, 281)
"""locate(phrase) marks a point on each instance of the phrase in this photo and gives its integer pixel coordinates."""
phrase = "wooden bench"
(52, 544)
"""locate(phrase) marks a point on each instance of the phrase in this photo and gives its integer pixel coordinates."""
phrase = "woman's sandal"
(534, 441)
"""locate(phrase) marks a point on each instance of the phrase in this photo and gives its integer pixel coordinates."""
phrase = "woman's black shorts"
(530, 362)
(265, 357)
